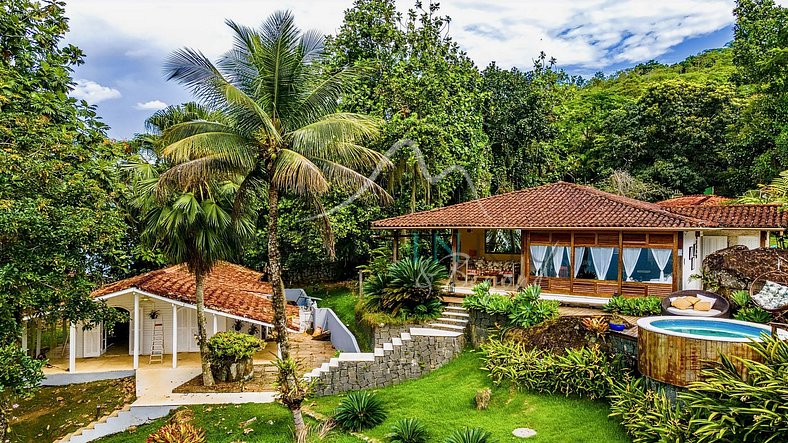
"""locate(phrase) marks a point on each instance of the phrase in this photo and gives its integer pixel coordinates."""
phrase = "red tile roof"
(694, 200)
(229, 288)
(738, 216)
(558, 205)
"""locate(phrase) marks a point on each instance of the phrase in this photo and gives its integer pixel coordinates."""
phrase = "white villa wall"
(186, 341)
(750, 238)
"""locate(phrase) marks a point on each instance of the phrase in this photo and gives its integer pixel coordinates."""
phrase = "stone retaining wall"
(384, 334)
(410, 356)
(480, 324)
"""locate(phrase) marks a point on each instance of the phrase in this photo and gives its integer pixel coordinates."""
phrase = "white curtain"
(538, 255)
(558, 258)
(630, 257)
(579, 252)
(602, 259)
(661, 256)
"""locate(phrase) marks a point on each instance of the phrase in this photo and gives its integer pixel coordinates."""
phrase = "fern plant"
(470, 435)
(408, 430)
(359, 410)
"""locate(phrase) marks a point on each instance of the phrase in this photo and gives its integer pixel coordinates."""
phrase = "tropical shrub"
(408, 430)
(230, 347)
(585, 372)
(409, 289)
(639, 306)
(729, 406)
(177, 433)
(724, 406)
(523, 309)
(528, 310)
(359, 410)
(746, 310)
(648, 415)
(470, 435)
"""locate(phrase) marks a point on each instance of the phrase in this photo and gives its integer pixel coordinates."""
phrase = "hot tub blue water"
(710, 328)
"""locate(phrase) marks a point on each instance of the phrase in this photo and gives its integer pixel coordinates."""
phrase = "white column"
(215, 324)
(24, 336)
(174, 336)
(38, 339)
(136, 331)
(72, 348)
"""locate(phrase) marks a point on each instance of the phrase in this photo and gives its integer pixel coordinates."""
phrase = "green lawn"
(273, 424)
(444, 401)
(342, 300)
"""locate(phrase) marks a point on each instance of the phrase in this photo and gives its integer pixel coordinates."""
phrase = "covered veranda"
(572, 240)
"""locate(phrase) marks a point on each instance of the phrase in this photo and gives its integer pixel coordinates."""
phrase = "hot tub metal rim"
(645, 323)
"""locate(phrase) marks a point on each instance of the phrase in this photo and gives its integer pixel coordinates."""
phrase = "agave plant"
(408, 430)
(410, 288)
(359, 410)
(469, 435)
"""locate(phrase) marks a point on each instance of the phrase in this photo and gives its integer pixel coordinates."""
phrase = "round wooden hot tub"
(673, 349)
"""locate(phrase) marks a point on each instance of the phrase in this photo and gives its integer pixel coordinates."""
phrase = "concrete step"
(388, 347)
(455, 309)
(396, 341)
(405, 336)
(455, 313)
(447, 326)
(451, 320)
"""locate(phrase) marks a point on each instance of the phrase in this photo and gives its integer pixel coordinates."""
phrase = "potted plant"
(617, 323)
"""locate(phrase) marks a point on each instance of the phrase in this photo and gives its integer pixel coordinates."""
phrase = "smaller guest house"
(576, 240)
(163, 314)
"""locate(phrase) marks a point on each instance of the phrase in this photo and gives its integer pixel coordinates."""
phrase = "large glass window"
(648, 265)
(550, 261)
(502, 241)
(596, 263)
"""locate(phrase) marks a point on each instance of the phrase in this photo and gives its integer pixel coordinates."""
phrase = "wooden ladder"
(157, 346)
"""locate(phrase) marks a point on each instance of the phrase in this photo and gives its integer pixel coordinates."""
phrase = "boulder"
(240, 370)
(735, 268)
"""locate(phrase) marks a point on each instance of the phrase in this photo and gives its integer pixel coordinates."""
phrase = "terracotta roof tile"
(694, 200)
(557, 205)
(738, 216)
(229, 288)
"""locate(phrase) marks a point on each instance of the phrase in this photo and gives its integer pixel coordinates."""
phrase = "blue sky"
(126, 42)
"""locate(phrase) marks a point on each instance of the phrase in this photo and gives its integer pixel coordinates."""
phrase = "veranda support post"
(174, 336)
(136, 358)
(72, 348)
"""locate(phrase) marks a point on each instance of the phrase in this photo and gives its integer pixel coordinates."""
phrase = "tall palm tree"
(192, 226)
(282, 132)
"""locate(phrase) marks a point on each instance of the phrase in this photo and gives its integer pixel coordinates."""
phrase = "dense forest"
(453, 131)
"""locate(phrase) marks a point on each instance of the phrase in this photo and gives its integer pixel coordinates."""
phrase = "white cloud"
(152, 105)
(93, 92)
(589, 34)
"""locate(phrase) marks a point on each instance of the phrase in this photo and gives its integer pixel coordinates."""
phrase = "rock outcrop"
(735, 268)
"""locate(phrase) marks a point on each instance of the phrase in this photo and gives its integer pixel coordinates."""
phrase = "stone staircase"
(410, 355)
(453, 318)
(117, 421)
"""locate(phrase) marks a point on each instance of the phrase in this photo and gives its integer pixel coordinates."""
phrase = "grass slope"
(55, 411)
(444, 401)
(342, 300)
(231, 423)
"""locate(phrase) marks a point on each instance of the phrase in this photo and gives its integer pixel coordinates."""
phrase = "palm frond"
(338, 128)
(196, 174)
(348, 178)
(232, 148)
(323, 98)
(195, 71)
(348, 154)
(297, 174)
(323, 224)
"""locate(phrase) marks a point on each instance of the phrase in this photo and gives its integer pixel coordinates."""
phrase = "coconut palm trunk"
(202, 335)
(275, 275)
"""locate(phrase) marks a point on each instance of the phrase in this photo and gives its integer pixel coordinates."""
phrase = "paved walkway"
(154, 388)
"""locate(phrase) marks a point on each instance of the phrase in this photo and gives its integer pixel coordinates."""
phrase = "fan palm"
(281, 131)
(191, 226)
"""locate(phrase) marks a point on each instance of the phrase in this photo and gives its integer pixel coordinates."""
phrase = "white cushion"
(693, 313)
